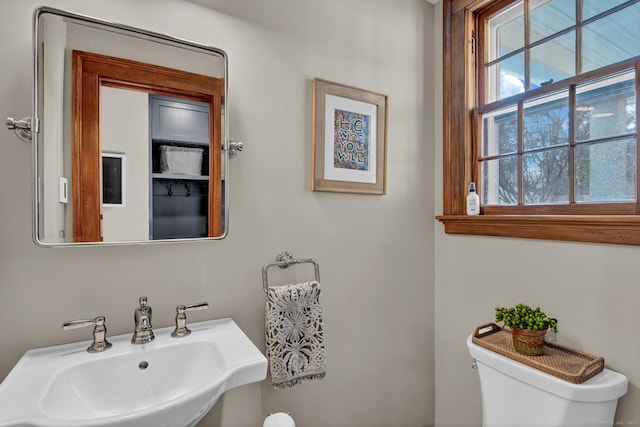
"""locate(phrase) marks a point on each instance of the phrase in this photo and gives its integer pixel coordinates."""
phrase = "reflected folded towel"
(295, 334)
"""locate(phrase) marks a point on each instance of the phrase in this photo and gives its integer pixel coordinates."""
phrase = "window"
(540, 111)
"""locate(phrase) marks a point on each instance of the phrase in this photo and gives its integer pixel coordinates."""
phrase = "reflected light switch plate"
(62, 190)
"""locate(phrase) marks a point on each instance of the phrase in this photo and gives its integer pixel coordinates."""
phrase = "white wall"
(375, 252)
(591, 288)
(124, 123)
(52, 227)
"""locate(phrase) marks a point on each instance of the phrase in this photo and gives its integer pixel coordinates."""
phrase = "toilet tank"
(514, 394)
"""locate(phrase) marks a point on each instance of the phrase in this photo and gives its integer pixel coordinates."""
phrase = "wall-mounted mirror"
(132, 143)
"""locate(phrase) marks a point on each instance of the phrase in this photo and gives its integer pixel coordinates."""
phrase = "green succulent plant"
(524, 317)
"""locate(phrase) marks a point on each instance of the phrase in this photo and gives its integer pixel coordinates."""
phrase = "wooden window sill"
(615, 229)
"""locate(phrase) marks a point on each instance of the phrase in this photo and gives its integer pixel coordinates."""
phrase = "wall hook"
(24, 128)
(170, 189)
(188, 187)
(234, 148)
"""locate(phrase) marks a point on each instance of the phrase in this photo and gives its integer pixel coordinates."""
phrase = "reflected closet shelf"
(180, 176)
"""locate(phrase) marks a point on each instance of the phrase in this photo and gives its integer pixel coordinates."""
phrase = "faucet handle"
(100, 342)
(181, 329)
(142, 309)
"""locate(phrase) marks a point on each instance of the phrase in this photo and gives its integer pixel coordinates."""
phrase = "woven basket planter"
(530, 343)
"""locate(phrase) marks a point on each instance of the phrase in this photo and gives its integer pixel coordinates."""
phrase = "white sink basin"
(169, 382)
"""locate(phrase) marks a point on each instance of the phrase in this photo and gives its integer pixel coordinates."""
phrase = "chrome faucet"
(100, 342)
(143, 330)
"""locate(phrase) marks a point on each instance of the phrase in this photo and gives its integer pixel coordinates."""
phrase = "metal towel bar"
(284, 260)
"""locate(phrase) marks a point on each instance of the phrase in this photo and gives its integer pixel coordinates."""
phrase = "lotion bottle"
(473, 200)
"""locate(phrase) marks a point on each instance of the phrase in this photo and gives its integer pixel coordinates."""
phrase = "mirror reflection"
(132, 140)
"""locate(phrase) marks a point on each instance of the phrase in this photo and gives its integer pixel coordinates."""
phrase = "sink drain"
(143, 365)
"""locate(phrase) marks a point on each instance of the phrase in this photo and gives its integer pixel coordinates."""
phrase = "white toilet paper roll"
(279, 419)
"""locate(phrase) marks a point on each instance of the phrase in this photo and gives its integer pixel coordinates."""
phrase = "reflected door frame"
(90, 72)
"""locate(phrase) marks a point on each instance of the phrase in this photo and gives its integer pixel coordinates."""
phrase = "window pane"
(593, 7)
(606, 107)
(553, 60)
(546, 122)
(506, 78)
(549, 17)
(546, 177)
(611, 39)
(506, 31)
(500, 181)
(532, 156)
(500, 133)
(606, 171)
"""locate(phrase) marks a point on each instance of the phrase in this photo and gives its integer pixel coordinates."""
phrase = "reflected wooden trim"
(215, 166)
(89, 72)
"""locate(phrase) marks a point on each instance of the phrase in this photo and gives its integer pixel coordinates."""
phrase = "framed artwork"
(113, 179)
(349, 139)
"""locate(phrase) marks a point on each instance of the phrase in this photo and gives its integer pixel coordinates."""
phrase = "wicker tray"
(567, 364)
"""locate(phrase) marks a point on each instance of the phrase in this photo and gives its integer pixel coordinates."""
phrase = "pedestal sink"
(169, 382)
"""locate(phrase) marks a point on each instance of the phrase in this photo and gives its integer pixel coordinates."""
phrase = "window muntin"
(572, 145)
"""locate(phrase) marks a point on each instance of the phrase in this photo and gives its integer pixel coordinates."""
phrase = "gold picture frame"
(349, 141)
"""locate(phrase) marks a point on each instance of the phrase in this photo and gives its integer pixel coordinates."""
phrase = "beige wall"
(124, 127)
(376, 253)
(592, 289)
(379, 284)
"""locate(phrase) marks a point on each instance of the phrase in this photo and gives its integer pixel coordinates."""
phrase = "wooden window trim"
(90, 71)
(459, 97)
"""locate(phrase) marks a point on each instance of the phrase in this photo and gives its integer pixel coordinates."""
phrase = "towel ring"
(284, 260)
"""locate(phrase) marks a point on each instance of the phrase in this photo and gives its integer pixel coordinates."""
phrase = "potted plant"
(528, 327)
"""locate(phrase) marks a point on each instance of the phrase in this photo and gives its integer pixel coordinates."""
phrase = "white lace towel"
(294, 334)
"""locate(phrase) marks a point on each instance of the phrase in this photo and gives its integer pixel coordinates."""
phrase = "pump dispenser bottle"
(473, 200)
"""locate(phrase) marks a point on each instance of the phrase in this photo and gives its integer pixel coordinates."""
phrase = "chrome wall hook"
(234, 148)
(22, 127)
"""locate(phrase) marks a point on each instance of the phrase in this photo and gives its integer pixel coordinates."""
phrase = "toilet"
(514, 394)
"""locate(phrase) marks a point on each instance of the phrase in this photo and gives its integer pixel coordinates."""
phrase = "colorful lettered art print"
(350, 144)
(349, 139)
(351, 134)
